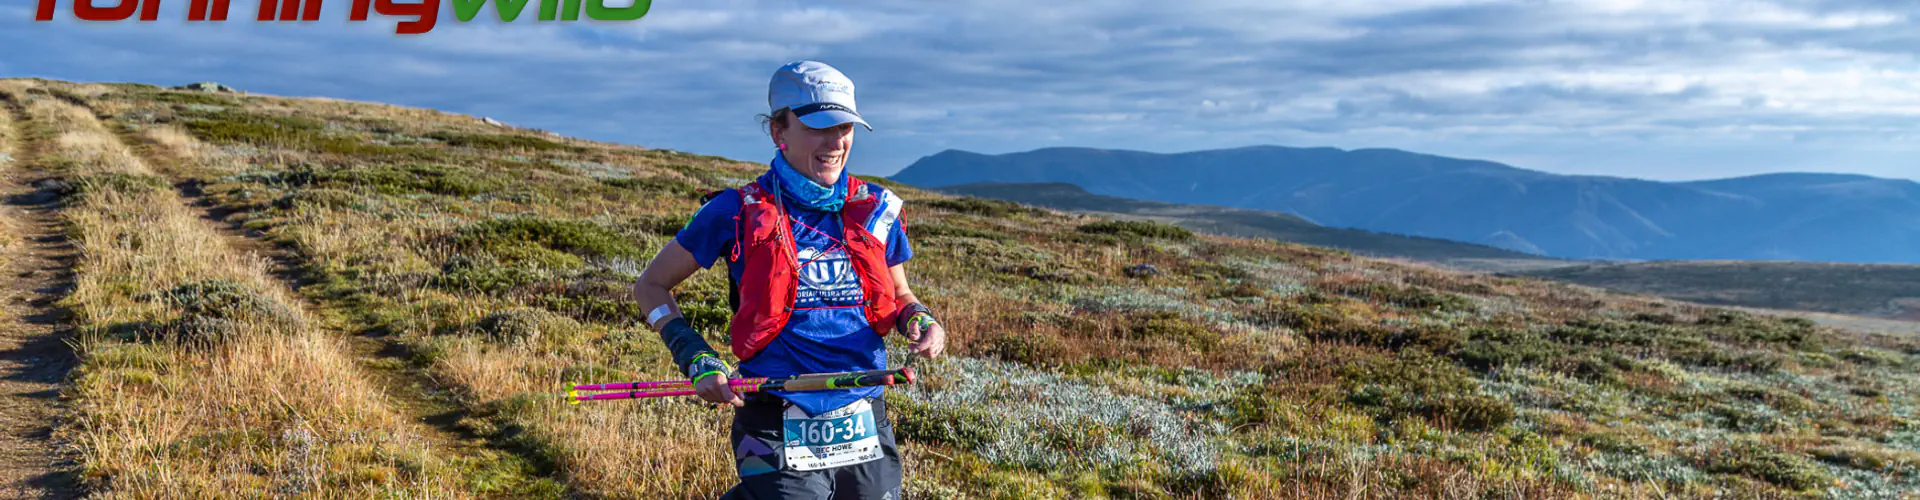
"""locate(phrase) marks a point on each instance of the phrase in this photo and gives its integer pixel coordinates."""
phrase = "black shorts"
(761, 419)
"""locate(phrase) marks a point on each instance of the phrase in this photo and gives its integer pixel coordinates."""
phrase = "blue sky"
(1652, 89)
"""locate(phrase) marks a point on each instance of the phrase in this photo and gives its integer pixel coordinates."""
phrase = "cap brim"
(829, 118)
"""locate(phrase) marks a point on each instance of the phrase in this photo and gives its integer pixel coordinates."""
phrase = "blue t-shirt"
(828, 331)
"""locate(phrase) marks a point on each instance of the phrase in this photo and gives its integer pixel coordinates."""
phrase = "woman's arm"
(929, 338)
(690, 352)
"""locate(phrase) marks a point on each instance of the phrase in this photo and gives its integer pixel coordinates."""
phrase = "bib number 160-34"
(840, 437)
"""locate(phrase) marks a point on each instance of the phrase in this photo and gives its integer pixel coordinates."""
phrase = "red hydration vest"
(770, 281)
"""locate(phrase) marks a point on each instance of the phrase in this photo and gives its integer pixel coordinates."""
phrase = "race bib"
(845, 436)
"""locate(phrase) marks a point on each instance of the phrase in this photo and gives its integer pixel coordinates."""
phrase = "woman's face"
(820, 153)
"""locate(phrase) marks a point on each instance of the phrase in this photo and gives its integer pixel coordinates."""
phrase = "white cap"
(819, 95)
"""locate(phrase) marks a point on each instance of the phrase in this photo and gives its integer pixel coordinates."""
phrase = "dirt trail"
(410, 392)
(34, 357)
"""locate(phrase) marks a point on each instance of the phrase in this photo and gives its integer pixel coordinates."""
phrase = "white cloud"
(1525, 79)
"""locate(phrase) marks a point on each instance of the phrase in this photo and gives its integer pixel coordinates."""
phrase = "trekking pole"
(797, 383)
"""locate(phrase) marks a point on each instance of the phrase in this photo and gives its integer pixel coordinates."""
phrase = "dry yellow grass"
(275, 410)
(9, 157)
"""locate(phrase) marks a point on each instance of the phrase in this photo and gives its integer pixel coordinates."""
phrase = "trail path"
(408, 390)
(34, 358)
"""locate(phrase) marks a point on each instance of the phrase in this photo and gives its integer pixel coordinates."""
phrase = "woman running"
(817, 261)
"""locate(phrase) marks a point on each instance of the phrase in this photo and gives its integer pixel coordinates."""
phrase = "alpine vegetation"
(1092, 358)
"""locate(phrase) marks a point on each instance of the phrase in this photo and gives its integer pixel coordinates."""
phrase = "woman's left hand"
(929, 338)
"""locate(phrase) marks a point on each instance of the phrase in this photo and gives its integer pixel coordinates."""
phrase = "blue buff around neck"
(802, 190)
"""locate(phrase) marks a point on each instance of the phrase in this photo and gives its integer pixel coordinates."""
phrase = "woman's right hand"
(716, 389)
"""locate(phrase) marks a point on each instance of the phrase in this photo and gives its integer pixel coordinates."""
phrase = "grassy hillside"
(1875, 290)
(497, 261)
(1247, 223)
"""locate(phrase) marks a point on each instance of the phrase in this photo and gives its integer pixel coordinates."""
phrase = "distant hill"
(1248, 223)
(1876, 290)
(1807, 217)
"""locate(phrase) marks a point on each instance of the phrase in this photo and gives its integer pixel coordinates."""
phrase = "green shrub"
(1419, 385)
(930, 229)
(1743, 328)
(611, 302)
(329, 198)
(412, 178)
(1613, 442)
(1472, 413)
(1873, 357)
(956, 425)
(1169, 326)
(1868, 457)
(658, 184)
(527, 326)
(1203, 270)
(660, 225)
(1752, 361)
(976, 206)
(215, 311)
(177, 97)
(1408, 297)
(1047, 272)
(1596, 365)
(1144, 229)
(1606, 332)
(1489, 348)
(1240, 290)
(1027, 348)
(1761, 462)
(264, 130)
(578, 237)
(496, 141)
(486, 275)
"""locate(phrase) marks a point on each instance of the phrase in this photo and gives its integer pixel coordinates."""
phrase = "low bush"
(1047, 272)
(1170, 327)
(582, 238)
(1025, 347)
(527, 326)
(172, 97)
(215, 311)
(1417, 384)
(1407, 297)
(1762, 462)
(976, 206)
(485, 275)
(661, 185)
(659, 225)
(1489, 348)
(1868, 456)
(290, 132)
(1144, 229)
(412, 178)
(496, 141)
(327, 198)
(1472, 413)
(932, 229)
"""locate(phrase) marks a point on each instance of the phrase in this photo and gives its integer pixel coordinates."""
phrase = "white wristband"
(658, 312)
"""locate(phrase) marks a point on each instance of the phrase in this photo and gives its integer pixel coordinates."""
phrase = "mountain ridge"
(1250, 223)
(1780, 216)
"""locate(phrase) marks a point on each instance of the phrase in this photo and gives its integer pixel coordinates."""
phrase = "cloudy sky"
(1664, 89)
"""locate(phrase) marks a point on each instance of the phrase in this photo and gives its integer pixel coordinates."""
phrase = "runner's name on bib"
(845, 436)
